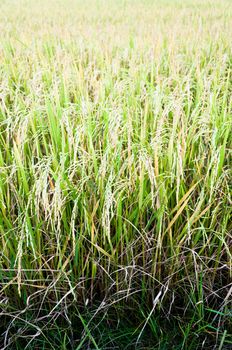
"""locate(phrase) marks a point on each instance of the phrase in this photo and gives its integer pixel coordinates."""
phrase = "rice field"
(115, 174)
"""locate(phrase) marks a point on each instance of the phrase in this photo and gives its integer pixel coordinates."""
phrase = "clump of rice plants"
(115, 174)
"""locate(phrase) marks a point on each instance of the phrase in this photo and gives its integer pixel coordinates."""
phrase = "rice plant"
(115, 174)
